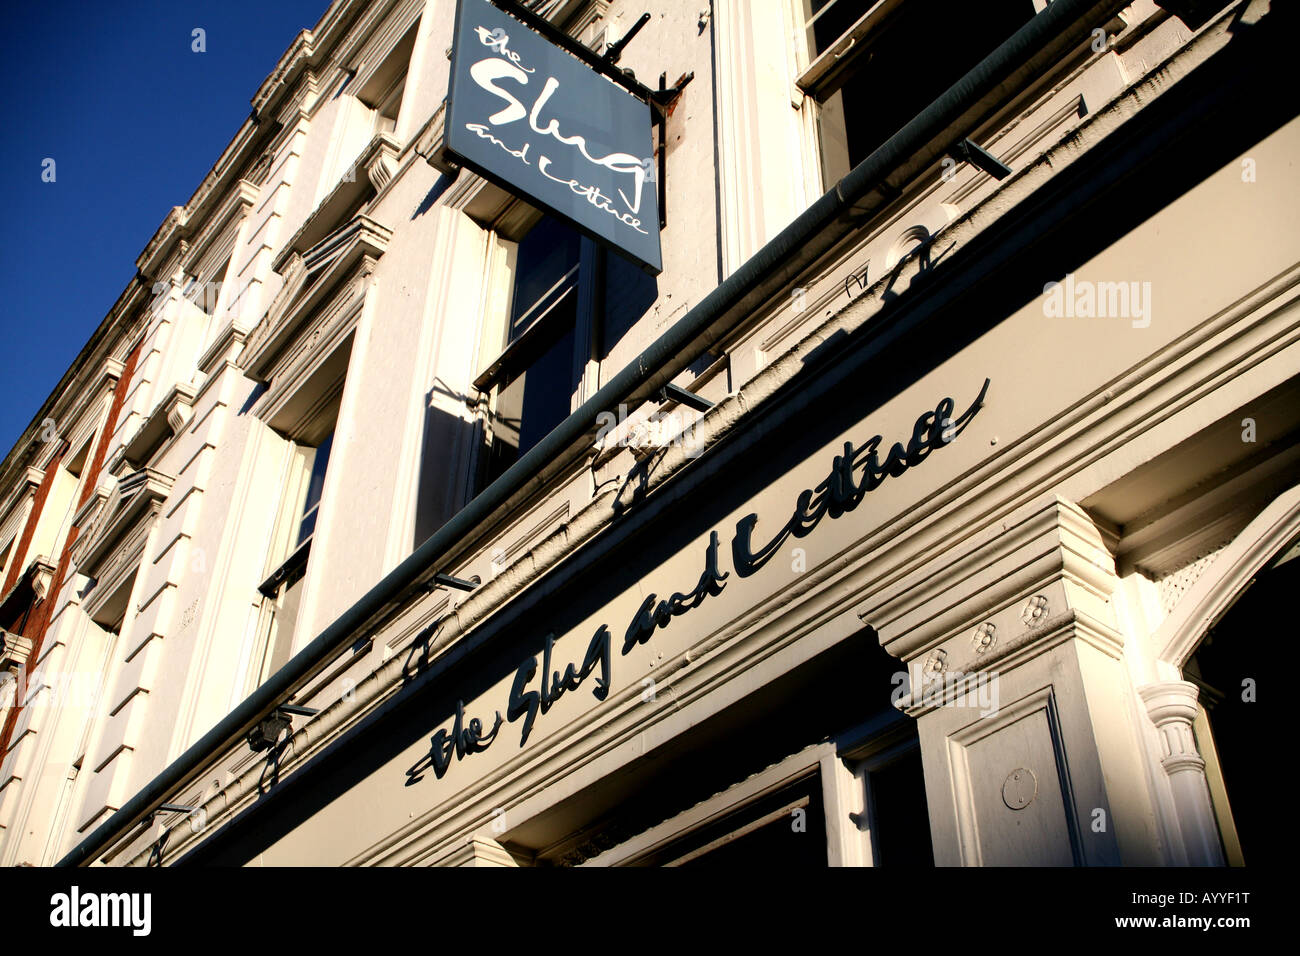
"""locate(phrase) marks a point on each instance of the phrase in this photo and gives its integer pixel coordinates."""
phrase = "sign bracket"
(597, 62)
(615, 50)
(661, 103)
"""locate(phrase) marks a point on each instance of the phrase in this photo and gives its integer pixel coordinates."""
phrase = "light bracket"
(967, 152)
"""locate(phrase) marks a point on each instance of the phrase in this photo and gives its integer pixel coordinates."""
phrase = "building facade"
(932, 505)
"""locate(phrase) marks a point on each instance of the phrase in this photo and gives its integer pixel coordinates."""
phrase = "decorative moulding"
(167, 418)
(155, 255)
(14, 650)
(1218, 587)
(110, 374)
(309, 284)
(1053, 561)
(235, 205)
(431, 143)
(296, 107)
(282, 79)
(35, 579)
(31, 480)
(225, 347)
(380, 153)
(42, 573)
(134, 497)
(478, 851)
(383, 163)
(374, 35)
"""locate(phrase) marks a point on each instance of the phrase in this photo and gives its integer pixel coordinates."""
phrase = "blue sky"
(133, 119)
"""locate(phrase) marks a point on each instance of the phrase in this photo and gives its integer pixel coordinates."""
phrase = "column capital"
(1172, 708)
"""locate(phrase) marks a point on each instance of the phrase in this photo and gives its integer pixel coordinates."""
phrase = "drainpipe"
(868, 187)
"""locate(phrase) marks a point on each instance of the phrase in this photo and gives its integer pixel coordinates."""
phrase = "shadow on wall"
(433, 195)
(629, 294)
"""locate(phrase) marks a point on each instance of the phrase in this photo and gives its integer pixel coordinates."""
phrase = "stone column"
(1172, 707)
(1027, 715)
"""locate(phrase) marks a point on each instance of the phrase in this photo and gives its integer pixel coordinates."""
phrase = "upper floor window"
(384, 89)
(571, 302)
(304, 481)
(874, 65)
(61, 503)
(315, 482)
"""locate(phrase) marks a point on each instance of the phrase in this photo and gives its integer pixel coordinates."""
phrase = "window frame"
(895, 738)
(503, 359)
(820, 76)
(288, 553)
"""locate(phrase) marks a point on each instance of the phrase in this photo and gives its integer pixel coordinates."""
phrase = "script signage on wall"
(538, 685)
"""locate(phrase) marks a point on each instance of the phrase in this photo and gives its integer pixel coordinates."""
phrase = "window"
(873, 65)
(291, 545)
(389, 106)
(895, 818)
(383, 90)
(571, 302)
(61, 504)
(781, 831)
(206, 293)
(109, 607)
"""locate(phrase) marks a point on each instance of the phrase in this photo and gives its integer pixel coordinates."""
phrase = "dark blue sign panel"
(542, 124)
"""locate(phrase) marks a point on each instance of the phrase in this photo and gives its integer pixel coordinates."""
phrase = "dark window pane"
(788, 840)
(911, 62)
(320, 462)
(902, 819)
(776, 845)
(549, 385)
(537, 397)
(308, 525)
(545, 257)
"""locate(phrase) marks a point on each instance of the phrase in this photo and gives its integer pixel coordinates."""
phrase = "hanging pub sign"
(534, 119)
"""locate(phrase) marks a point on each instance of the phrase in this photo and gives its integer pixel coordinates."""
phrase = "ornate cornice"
(134, 496)
(378, 161)
(26, 486)
(167, 418)
(225, 346)
(1054, 560)
(310, 281)
(14, 650)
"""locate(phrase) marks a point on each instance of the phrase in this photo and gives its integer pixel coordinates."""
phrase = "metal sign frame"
(604, 180)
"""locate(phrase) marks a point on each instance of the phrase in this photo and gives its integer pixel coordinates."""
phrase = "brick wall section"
(29, 529)
(40, 617)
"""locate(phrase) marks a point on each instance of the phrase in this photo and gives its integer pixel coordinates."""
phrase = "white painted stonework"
(1046, 708)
